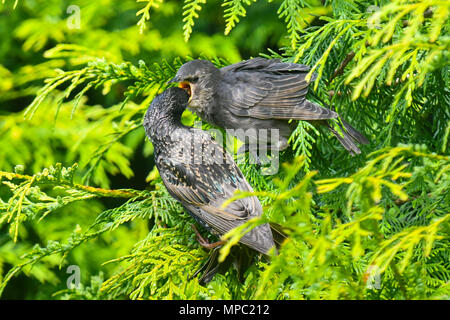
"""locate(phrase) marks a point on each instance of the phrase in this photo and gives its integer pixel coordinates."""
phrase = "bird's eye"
(193, 79)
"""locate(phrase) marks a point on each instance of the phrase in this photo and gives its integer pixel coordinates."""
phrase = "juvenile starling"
(258, 94)
(199, 173)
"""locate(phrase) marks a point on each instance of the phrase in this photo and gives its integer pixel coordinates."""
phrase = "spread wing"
(269, 89)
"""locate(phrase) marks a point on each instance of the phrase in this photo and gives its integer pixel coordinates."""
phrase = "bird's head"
(197, 78)
(167, 106)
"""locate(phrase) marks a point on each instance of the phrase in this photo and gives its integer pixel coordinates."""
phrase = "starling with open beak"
(258, 94)
(200, 174)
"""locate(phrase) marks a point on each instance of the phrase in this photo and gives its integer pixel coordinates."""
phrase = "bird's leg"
(205, 243)
(243, 149)
(253, 157)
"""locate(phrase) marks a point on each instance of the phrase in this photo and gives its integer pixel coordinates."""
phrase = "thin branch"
(118, 193)
(340, 70)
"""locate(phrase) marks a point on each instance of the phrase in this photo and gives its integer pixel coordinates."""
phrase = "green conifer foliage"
(78, 184)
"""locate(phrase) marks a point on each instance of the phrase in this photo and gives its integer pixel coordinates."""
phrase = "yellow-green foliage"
(78, 184)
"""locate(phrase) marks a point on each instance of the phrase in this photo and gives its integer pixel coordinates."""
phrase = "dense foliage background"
(78, 185)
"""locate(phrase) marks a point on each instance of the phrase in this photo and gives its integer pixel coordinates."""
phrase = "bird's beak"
(174, 80)
(185, 85)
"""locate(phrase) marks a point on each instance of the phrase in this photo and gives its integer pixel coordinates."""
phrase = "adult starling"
(258, 94)
(199, 173)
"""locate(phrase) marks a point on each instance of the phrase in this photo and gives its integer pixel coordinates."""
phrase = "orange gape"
(185, 86)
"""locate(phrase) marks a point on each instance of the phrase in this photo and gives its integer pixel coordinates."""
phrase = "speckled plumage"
(199, 173)
(258, 94)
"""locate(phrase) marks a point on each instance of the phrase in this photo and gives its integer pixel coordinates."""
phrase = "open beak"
(185, 85)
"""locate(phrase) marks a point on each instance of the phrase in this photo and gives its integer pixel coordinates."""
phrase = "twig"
(118, 193)
(426, 14)
(340, 70)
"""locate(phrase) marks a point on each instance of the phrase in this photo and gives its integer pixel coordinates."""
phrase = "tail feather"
(355, 134)
(347, 139)
(349, 134)
(278, 234)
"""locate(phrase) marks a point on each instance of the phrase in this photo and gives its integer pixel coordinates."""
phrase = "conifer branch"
(101, 192)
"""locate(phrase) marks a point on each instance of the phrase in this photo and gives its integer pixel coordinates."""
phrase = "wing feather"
(208, 185)
(203, 188)
(269, 89)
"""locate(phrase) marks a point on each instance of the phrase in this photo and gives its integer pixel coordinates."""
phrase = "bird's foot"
(205, 243)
